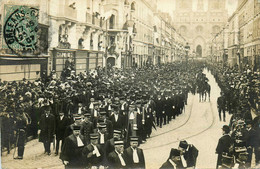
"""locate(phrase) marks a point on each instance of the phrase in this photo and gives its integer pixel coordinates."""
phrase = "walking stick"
(16, 144)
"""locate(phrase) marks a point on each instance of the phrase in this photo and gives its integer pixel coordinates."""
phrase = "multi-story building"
(244, 35)
(233, 39)
(142, 15)
(199, 24)
(84, 35)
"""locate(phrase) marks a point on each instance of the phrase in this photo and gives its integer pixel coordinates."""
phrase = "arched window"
(126, 2)
(112, 22)
(133, 6)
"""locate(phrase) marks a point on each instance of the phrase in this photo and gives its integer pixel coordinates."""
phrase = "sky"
(169, 6)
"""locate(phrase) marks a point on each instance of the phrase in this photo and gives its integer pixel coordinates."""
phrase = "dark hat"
(115, 106)
(134, 138)
(93, 136)
(248, 122)
(76, 117)
(226, 128)
(132, 106)
(102, 125)
(87, 114)
(47, 107)
(76, 127)
(117, 131)
(183, 144)
(119, 142)
(174, 152)
(102, 113)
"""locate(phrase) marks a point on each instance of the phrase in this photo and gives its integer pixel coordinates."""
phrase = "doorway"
(199, 51)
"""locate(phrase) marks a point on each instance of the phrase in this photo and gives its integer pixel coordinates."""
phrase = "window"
(133, 6)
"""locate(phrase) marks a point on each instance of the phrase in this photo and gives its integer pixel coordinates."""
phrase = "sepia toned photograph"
(133, 84)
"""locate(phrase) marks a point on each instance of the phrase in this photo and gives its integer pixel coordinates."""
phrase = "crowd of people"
(240, 98)
(131, 102)
(96, 115)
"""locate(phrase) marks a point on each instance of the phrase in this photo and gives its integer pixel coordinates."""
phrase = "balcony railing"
(67, 12)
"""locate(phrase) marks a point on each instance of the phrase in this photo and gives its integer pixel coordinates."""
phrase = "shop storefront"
(17, 68)
(78, 60)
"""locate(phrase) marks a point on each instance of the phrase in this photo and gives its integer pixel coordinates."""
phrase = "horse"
(204, 91)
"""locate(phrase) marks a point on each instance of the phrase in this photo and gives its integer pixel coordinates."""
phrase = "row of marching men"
(77, 152)
(116, 153)
(137, 120)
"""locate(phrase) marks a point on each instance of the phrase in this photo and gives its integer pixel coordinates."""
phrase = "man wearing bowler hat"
(189, 154)
(71, 153)
(47, 126)
(135, 155)
(62, 122)
(224, 144)
(174, 160)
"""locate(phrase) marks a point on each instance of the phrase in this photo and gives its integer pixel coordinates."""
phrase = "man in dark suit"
(62, 122)
(117, 158)
(110, 146)
(174, 160)
(102, 133)
(87, 127)
(222, 106)
(189, 154)
(168, 107)
(77, 121)
(117, 119)
(224, 144)
(109, 125)
(79, 109)
(159, 110)
(71, 153)
(134, 155)
(92, 153)
(47, 126)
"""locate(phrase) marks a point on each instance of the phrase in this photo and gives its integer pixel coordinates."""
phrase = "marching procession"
(98, 119)
(112, 84)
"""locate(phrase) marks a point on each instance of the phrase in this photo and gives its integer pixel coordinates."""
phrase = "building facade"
(83, 35)
(198, 23)
(243, 35)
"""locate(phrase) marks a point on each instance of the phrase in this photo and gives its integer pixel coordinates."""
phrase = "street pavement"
(199, 125)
